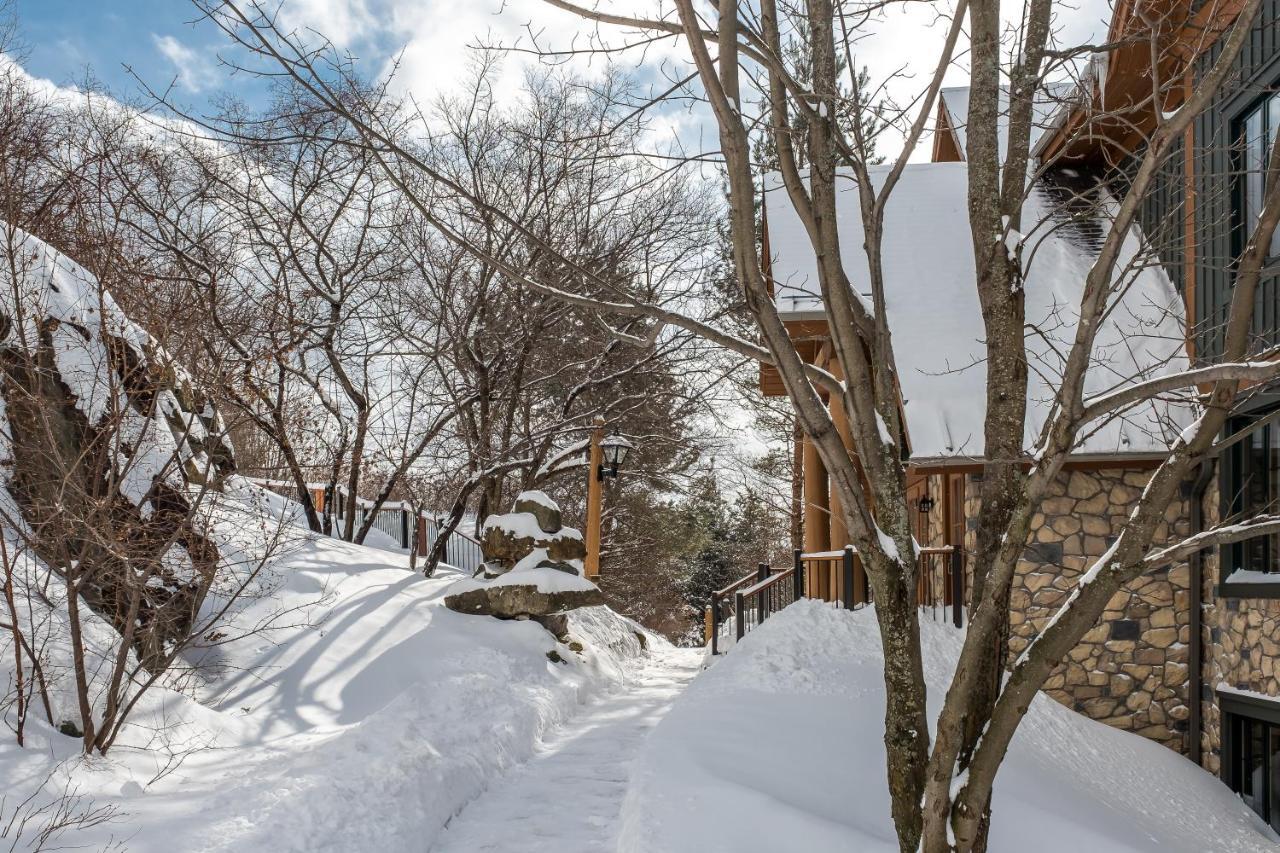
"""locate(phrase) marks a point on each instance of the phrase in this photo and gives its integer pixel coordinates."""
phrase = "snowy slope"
(778, 747)
(362, 718)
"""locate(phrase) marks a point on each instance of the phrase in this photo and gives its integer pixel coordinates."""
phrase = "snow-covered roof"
(955, 100)
(937, 325)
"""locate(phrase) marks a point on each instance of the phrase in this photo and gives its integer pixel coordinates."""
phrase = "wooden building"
(1186, 656)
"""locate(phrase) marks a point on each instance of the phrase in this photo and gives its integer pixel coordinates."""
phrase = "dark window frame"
(1266, 107)
(1238, 473)
(1243, 716)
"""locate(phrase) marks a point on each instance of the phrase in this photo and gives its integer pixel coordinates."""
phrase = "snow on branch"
(1248, 371)
(1223, 534)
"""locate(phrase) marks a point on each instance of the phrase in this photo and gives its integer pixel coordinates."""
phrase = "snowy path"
(566, 799)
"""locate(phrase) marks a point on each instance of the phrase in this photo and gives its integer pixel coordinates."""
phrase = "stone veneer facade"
(1131, 670)
(1241, 641)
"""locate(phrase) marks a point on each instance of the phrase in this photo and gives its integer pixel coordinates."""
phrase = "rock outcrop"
(533, 568)
(103, 438)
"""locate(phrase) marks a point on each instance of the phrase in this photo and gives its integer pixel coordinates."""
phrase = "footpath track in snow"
(567, 798)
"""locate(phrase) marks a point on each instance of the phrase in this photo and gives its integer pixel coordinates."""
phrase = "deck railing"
(836, 577)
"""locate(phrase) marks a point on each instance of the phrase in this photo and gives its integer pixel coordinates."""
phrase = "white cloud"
(342, 22)
(196, 72)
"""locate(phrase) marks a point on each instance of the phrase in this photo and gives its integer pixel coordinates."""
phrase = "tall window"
(1254, 489)
(1257, 132)
(1255, 760)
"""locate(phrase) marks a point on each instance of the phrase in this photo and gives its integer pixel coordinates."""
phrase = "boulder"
(541, 507)
(539, 594)
(566, 545)
(513, 601)
(531, 536)
(508, 539)
(69, 359)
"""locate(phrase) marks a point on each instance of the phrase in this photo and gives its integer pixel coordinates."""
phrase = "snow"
(779, 747)
(1252, 576)
(539, 497)
(568, 798)
(955, 100)
(344, 708)
(522, 525)
(936, 320)
(546, 579)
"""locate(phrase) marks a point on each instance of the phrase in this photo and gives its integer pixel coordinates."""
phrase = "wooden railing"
(833, 576)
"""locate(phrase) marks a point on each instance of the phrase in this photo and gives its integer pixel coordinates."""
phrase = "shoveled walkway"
(567, 798)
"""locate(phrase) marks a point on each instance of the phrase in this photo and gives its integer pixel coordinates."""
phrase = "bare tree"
(940, 788)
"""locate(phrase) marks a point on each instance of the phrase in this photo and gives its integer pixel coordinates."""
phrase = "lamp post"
(606, 457)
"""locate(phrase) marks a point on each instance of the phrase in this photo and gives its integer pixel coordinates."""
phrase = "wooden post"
(762, 574)
(817, 523)
(708, 628)
(798, 576)
(846, 580)
(839, 535)
(595, 498)
(957, 587)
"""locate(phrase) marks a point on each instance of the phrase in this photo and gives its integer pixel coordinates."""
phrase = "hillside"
(342, 707)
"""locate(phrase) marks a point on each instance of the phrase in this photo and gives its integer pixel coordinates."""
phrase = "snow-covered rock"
(102, 438)
(530, 536)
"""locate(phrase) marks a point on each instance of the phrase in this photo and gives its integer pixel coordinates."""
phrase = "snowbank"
(778, 747)
(361, 717)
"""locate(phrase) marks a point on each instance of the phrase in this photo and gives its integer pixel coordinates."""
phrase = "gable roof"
(951, 137)
(937, 325)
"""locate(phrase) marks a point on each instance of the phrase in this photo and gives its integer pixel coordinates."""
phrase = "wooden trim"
(1119, 113)
(1189, 225)
(946, 147)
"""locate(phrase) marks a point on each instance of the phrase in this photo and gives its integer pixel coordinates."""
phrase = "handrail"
(759, 586)
(733, 587)
(837, 577)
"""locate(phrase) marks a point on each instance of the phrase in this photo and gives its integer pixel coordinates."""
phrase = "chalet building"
(1185, 656)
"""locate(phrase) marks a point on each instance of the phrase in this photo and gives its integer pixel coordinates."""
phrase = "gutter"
(1195, 653)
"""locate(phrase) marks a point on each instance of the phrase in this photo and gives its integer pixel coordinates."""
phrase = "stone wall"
(1241, 640)
(1129, 671)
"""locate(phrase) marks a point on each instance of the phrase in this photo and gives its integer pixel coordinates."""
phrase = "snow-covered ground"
(363, 719)
(778, 747)
(568, 798)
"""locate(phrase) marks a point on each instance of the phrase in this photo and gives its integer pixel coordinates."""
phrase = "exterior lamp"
(614, 448)
(925, 505)
(605, 456)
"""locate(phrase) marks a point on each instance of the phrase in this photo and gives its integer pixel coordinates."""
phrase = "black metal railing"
(837, 577)
(941, 584)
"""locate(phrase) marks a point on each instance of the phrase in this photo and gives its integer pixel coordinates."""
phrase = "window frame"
(1232, 474)
(1239, 710)
(1266, 105)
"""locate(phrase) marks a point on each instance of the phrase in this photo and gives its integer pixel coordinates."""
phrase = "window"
(1253, 758)
(1254, 487)
(1256, 131)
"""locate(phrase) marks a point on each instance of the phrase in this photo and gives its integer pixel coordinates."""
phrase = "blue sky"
(63, 38)
(158, 39)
